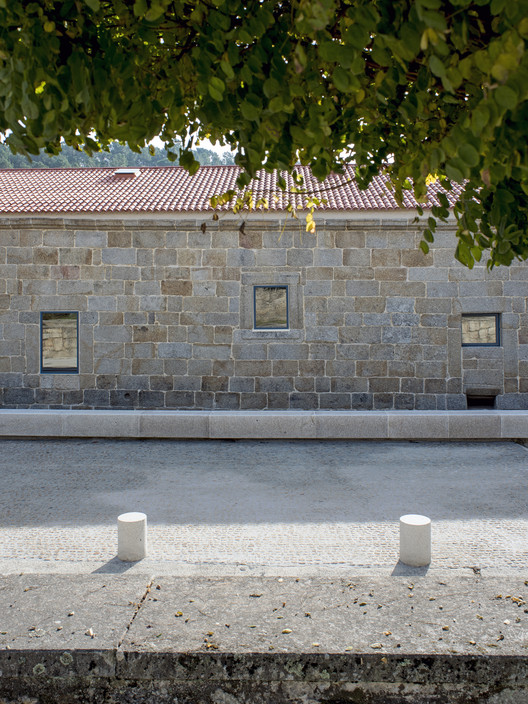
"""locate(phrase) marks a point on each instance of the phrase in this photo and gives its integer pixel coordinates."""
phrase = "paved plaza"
(235, 506)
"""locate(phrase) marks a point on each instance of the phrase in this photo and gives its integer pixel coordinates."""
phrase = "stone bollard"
(415, 540)
(131, 536)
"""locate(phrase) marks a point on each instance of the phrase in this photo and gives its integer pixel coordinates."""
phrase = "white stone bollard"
(131, 536)
(415, 540)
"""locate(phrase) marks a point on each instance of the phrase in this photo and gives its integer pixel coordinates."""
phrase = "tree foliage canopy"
(416, 88)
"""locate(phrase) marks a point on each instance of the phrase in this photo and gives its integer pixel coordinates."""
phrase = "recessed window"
(480, 330)
(270, 307)
(59, 342)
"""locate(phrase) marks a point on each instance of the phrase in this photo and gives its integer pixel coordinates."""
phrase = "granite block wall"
(166, 316)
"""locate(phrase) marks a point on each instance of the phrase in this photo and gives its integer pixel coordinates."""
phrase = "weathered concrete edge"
(410, 668)
(287, 425)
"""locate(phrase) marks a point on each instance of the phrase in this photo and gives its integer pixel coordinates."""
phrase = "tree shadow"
(76, 483)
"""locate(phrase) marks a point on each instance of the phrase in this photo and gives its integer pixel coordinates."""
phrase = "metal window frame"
(56, 370)
(497, 343)
(284, 286)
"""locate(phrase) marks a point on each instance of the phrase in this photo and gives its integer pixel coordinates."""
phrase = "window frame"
(497, 342)
(292, 280)
(283, 286)
(58, 370)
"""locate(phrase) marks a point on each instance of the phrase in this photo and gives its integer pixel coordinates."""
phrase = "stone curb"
(287, 425)
(103, 639)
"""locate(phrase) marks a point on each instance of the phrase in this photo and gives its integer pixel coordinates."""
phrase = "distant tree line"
(119, 155)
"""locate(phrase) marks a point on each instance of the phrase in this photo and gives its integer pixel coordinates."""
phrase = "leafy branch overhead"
(418, 89)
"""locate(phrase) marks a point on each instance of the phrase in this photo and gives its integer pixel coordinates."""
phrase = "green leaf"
(463, 254)
(94, 5)
(330, 51)
(437, 67)
(140, 8)
(424, 247)
(276, 104)
(188, 161)
(156, 11)
(217, 83)
(479, 119)
(428, 235)
(476, 253)
(249, 111)
(469, 155)
(215, 94)
(443, 199)
(429, 4)
(523, 28)
(454, 173)
(506, 97)
(227, 69)
(216, 88)
(497, 6)
(271, 87)
(30, 108)
(340, 79)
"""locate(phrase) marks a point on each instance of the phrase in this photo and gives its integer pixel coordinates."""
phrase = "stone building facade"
(165, 310)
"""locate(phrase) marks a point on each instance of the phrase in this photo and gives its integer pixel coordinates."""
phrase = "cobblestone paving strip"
(265, 502)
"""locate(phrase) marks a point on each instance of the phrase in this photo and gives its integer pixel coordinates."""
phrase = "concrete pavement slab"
(41, 612)
(412, 614)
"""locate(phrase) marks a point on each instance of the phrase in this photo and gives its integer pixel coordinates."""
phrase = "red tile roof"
(170, 189)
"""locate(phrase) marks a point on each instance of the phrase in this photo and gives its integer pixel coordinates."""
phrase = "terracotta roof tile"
(172, 189)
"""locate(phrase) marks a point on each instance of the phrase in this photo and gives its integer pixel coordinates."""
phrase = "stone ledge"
(287, 425)
(374, 640)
